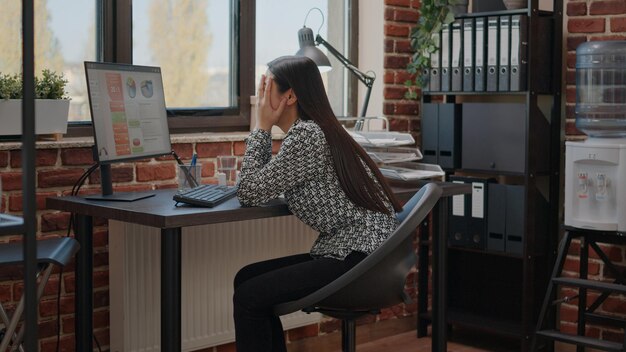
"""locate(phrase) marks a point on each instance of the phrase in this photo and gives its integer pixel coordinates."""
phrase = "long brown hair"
(302, 75)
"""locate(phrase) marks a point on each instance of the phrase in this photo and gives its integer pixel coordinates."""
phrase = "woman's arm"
(301, 158)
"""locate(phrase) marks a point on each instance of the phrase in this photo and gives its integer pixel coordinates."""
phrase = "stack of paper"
(382, 139)
(412, 171)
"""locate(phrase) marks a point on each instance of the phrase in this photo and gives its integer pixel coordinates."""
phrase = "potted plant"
(51, 104)
(434, 14)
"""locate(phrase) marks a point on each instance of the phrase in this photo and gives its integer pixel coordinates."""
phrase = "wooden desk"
(159, 211)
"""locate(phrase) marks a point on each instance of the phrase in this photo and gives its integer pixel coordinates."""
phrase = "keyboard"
(205, 195)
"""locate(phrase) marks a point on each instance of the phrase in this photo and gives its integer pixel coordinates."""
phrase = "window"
(191, 41)
(197, 44)
(277, 35)
(64, 38)
(204, 47)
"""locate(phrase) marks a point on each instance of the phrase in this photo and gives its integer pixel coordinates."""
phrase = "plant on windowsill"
(434, 14)
(51, 104)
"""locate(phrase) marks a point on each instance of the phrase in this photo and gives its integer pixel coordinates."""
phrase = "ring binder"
(519, 52)
(445, 59)
(457, 52)
(493, 26)
(435, 66)
(468, 55)
(479, 61)
(505, 49)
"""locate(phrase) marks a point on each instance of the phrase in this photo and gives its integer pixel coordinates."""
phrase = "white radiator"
(211, 255)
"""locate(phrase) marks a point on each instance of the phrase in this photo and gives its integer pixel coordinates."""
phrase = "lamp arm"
(366, 79)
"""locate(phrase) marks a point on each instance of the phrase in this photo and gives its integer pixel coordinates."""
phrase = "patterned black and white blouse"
(304, 171)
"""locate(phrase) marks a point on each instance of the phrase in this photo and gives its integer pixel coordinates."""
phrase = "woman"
(329, 183)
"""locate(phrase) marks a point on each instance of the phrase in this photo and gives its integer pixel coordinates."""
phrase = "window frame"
(114, 44)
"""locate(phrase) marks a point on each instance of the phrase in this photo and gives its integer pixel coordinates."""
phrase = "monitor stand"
(120, 197)
(107, 189)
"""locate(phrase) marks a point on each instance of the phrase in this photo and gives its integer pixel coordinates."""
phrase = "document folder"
(478, 216)
(515, 219)
(479, 57)
(457, 56)
(434, 84)
(493, 25)
(468, 55)
(445, 59)
(468, 220)
(496, 217)
(430, 132)
(519, 52)
(505, 50)
(449, 136)
(458, 226)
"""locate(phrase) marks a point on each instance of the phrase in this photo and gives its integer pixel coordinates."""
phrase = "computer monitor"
(128, 114)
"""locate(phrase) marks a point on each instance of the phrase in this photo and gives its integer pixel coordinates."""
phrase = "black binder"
(519, 52)
(449, 136)
(468, 55)
(496, 217)
(479, 54)
(468, 215)
(457, 221)
(505, 53)
(430, 132)
(434, 84)
(445, 59)
(457, 56)
(515, 219)
(493, 28)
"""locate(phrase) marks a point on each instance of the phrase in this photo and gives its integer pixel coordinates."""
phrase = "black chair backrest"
(378, 280)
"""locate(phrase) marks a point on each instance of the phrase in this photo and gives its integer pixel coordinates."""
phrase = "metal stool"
(57, 251)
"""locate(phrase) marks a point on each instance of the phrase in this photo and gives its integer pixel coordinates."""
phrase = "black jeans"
(260, 286)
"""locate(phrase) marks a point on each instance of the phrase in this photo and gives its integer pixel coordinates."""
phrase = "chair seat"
(50, 252)
(58, 251)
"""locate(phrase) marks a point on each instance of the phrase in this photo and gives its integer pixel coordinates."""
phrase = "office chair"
(377, 281)
(50, 252)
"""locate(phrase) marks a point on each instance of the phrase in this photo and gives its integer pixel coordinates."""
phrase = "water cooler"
(595, 170)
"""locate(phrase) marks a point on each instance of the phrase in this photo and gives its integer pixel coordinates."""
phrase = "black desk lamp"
(308, 48)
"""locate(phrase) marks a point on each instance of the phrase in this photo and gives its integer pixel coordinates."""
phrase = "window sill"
(82, 142)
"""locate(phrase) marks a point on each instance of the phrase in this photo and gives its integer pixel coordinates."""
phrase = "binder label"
(480, 41)
(504, 41)
(458, 203)
(468, 44)
(515, 42)
(445, 48)
(478, 200)
(492, 45)
(456, 45)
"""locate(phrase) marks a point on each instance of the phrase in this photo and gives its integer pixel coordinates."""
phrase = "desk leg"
(440, 252)
(170, 290)
(422, 278)
(84, 284)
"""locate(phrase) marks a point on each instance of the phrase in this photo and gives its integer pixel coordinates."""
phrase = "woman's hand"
(266, 115)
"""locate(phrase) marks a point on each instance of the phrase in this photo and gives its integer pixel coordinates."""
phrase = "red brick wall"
(400, 17)
(57, 170)
(590, 20)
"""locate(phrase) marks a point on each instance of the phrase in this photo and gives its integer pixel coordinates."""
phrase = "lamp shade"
(308, 49)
